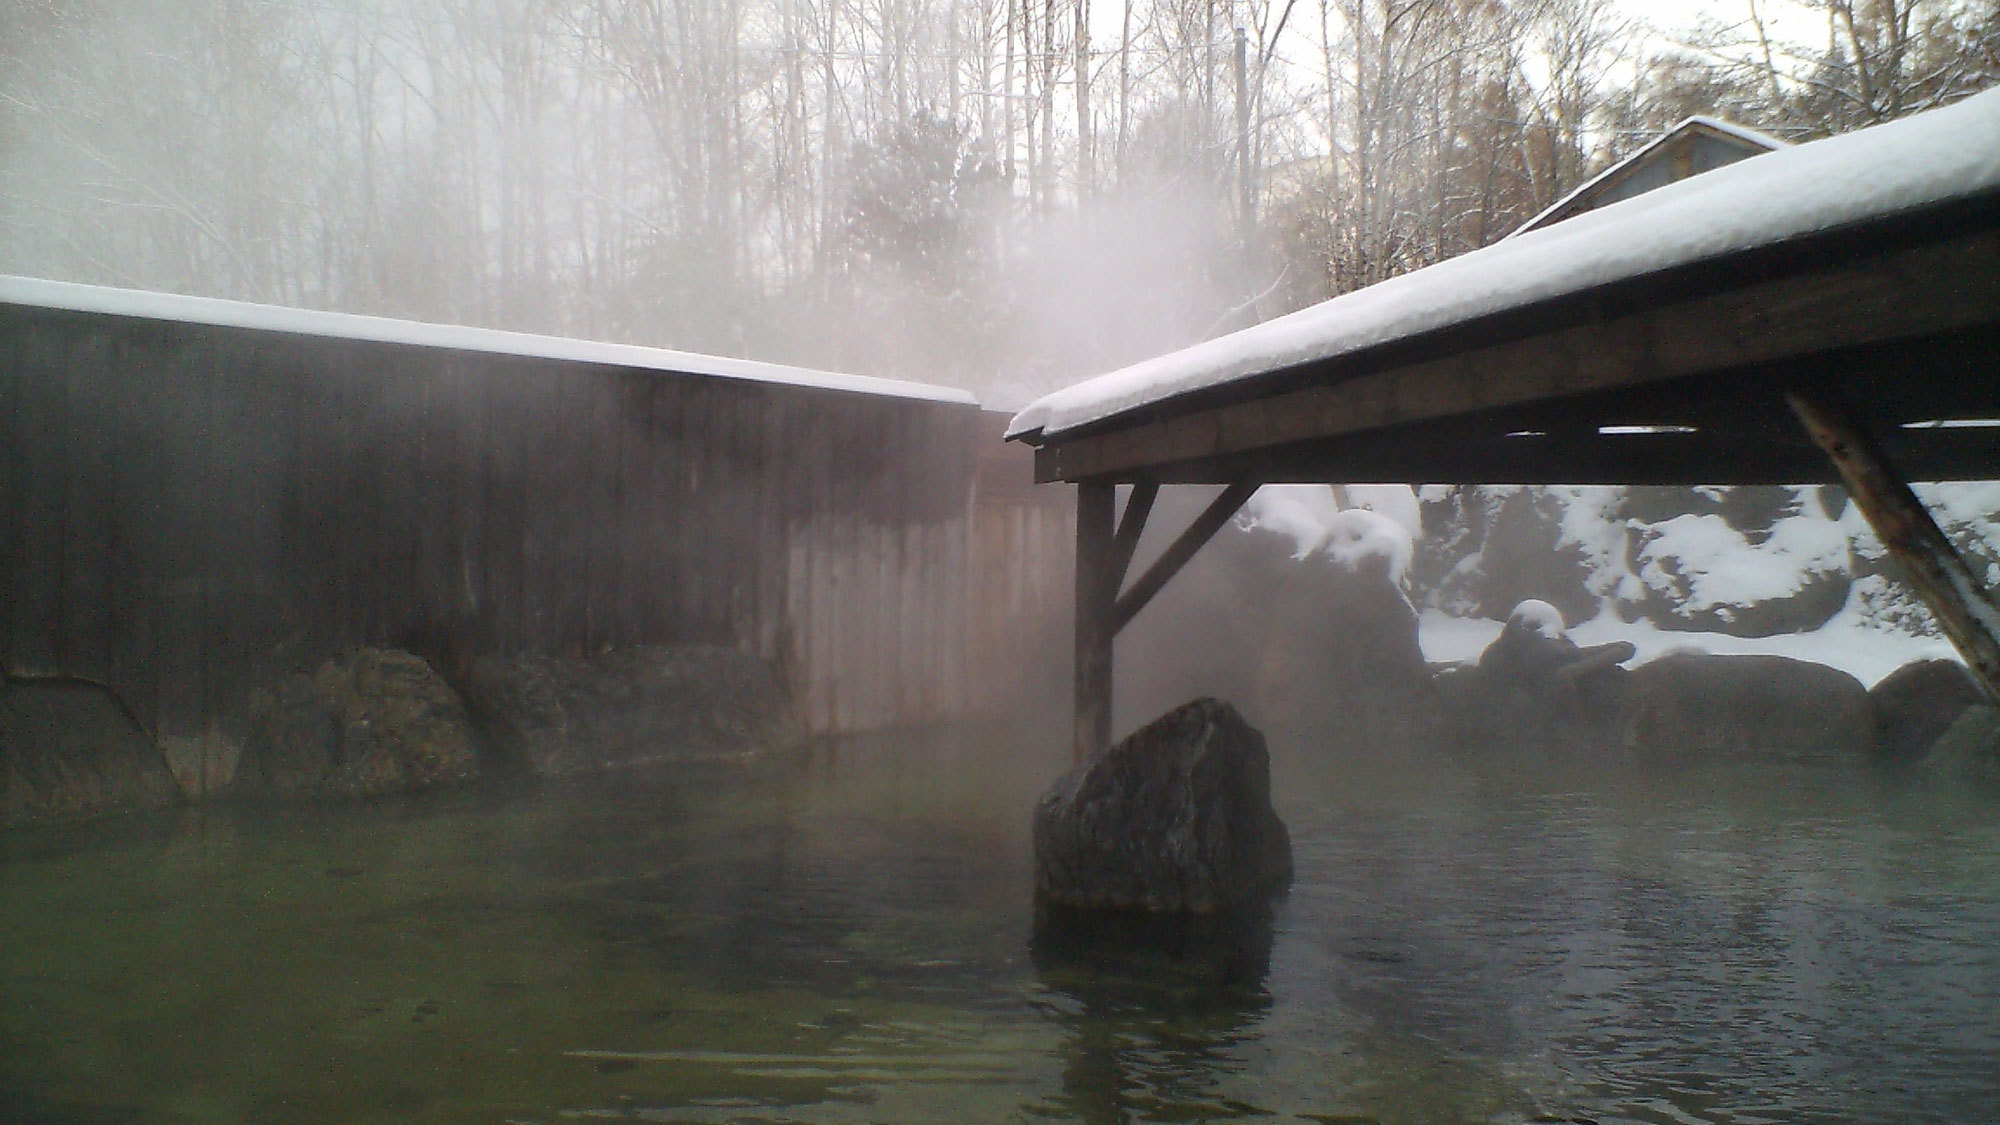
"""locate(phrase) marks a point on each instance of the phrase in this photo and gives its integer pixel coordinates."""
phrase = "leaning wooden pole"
(1096, 590)
(1956, 596)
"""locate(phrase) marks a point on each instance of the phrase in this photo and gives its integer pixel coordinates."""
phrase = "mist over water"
(849, 936)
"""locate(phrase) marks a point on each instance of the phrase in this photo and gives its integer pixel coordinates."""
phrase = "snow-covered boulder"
(1721, 572)
(1176, 818)
(1690, 706)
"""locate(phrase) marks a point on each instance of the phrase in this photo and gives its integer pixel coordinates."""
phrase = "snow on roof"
(38, 293)
(1756, 137)
(1869, 174)
(1692, 124)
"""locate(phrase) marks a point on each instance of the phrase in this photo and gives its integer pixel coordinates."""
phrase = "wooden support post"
(1954, 594)
(1095, 591)
(1131, 526)
(1170, 563)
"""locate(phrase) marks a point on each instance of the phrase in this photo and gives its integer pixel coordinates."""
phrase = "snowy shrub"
(1968, 514)
(1488, 549)
(1881, 603)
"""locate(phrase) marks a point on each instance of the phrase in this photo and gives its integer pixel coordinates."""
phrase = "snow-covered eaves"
(1750, 140)
(177, 308)
(1913, 166)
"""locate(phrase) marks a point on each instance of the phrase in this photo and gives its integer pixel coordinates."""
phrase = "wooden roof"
(1669, 375)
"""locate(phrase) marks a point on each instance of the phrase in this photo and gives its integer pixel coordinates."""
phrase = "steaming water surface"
(849, 937)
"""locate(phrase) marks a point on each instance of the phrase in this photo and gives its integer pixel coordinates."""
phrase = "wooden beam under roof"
(1919, 294)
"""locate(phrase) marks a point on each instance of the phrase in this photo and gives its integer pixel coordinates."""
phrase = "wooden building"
(1696, 145)
(1681, 336)
(198, 495)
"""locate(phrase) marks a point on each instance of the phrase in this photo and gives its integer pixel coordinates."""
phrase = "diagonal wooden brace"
(1956, 596)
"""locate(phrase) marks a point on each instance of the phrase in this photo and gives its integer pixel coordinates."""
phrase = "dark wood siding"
(190, 510)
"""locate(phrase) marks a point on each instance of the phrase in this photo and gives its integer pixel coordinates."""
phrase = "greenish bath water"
(850, 937)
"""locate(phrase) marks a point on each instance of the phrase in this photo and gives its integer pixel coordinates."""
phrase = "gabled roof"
(1731, 142)
(1810, 260)
(177, 308)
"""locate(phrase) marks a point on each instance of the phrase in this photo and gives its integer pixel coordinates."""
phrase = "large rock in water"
(1175, 819)
(68, 749)
(1341, 660)
(1967, 752)
(1534, 689)
(1696, 705)
(556, 716)
(1917, 703)
(367, 721)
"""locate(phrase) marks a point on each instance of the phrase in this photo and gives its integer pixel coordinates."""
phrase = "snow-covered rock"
(1535, 690)
(1698, 572)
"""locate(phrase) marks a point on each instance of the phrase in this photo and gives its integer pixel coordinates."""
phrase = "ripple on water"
(855, 941)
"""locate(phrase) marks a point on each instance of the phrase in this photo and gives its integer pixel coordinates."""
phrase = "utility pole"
(1246, 213)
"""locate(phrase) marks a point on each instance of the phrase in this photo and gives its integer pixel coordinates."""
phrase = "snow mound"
(1307, 513)
(1363, 542)
(1299, 512)
(1539, 618)
(1707, 564)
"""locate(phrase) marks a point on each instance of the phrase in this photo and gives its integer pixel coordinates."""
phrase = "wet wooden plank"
(690, 479)
(188, 374)
(542, 491)
(89, 504)
(468, 416)
(360, 498)
(395, 433)
(252, 469)
(37, 528)
(648, 467)
(825, 548)
(906, 662)
(13, 374)
(795, 624)
(509, 437)
(746, 524)
(770, 553)
(594, 496)
(312, 504)
(426, 460)
(720, 501)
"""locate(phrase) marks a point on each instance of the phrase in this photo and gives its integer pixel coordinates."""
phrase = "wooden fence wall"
(1023, 584)
(189, 509)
